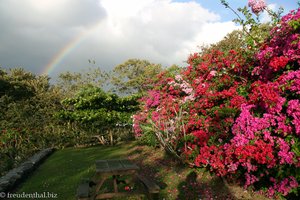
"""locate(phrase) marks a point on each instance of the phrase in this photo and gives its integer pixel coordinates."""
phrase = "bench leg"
(83, 198)
(154, 196)
(98, 186)
(115, 184)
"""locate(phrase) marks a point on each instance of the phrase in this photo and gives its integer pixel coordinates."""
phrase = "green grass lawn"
(62, 172)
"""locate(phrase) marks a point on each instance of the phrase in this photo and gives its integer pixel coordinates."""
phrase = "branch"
(239, 17)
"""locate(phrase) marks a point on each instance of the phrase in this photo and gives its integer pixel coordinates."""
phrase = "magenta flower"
(294, 111)
(286, 156)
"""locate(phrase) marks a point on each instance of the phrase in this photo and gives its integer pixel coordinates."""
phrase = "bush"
(238, 116)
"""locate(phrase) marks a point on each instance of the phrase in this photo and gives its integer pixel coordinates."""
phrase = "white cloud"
(212, 33)
(265, 16)
(161, 31)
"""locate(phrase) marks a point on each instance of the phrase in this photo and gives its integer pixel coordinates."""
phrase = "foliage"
(232, 41)
(27, 104)
(96, 111)
(133, 76)
(71, 82)
(149, 139)
(30, 105)
(239, 113)
(11, 143)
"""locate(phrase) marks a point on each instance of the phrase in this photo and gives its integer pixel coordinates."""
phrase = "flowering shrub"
(239, 121)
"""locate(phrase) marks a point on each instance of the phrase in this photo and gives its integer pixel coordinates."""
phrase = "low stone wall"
(16, 175)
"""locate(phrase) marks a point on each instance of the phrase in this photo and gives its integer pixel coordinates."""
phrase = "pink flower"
(286, 156)
(250, 179)
(293, 182)
(155, 116)
(213, 73)
(284, 186)
(271, 192)
(294, 111)
(153, 99)
(257, 6)
(178, 78)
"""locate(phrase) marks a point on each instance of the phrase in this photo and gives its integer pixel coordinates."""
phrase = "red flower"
(127, 188)
(278, 62)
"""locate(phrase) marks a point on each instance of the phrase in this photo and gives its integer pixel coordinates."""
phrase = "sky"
(54, 36)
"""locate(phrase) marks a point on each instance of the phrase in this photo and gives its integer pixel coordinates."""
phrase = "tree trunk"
(111, 137)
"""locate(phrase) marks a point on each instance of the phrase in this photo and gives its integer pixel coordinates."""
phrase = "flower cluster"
(137, 121)
(153, 99)
(283, 187)
(257, 6)
(293, 110)
(282, 51)
(184, 86)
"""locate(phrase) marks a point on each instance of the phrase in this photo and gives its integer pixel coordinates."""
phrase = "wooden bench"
(151, 188)
(114, 168)
(83, 190)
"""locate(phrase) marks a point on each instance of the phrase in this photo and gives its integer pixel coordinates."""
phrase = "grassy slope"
(62, 172)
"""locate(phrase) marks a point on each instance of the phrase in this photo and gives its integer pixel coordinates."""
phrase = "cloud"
(265, 16)
(50, 13)
(161, 30)
(33, 30)
(107, 31)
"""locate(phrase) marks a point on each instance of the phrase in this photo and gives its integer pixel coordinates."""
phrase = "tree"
(94, 111)
(72, 82)
(27, 103)
(133, 76)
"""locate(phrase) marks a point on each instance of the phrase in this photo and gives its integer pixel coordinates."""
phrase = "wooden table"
(113, 168)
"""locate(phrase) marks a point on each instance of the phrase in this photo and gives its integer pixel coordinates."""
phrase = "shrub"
(238, 116)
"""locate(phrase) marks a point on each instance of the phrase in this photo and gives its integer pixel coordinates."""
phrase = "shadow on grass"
(194, 187)
(147, 161)
(176, 180)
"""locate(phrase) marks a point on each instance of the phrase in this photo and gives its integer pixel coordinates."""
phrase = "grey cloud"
(30, 36)
(27, 13)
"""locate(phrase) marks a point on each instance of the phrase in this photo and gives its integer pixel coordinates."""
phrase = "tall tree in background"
(72, 82)
(26, 99)
(133, 76)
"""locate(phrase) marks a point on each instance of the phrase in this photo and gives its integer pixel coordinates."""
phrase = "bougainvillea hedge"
(239, 117)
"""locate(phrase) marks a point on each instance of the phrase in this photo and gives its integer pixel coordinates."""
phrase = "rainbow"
(68, 48)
